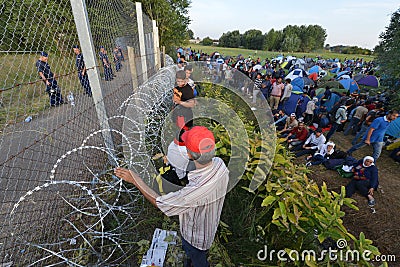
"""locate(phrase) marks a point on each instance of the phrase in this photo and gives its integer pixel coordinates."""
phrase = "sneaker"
(371, 202)
(253, 108)
(308, 164)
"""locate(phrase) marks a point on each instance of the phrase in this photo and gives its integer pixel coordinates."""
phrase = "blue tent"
(291, 103)
(394, 128)
(331, 102)
(342, 73)
(334, 70)
(303, 106)
(298, 82)
(297, 90)
(350, 85)
(314, 69)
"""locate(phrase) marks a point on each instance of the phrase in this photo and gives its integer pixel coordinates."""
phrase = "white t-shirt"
(177, 156)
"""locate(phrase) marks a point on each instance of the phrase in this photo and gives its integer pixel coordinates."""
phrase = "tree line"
(387, 55)
(292, 38)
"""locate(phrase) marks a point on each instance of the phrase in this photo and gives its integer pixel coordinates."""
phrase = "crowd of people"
(193, 165)
(308, 131)
(49, 78)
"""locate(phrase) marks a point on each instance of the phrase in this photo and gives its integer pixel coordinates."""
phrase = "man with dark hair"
(199, 204)
(375, 133)
(287, 92)
(49, 79)
(183, 98)
(108, 74)
(82, 74)
(340, 118)
(313, 143)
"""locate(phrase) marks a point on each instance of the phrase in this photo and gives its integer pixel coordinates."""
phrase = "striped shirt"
(199, 204)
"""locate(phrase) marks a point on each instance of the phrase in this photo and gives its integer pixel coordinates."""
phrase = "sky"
(347, 22)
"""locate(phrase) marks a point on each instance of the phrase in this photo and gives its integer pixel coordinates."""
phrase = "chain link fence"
(61, 126)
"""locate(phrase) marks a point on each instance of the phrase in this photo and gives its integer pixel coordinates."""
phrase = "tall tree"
(388, 50)
(388, 55)
(253, 39)
(172, 19)
(190, 34)
(230, 39)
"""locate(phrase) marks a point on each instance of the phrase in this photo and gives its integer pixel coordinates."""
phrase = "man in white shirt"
(313, 143)
(199, 204)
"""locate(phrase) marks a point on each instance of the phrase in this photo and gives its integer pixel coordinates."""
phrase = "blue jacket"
(371, 173)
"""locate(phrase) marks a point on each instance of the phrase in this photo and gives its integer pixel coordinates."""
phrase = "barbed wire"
(62, 205)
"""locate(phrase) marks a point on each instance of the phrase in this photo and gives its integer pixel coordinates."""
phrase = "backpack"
(332, 113)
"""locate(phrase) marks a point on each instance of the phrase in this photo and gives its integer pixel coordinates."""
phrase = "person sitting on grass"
(312, 144)
(291, 122)
(365, 180)
(322, 155)
(298, 135)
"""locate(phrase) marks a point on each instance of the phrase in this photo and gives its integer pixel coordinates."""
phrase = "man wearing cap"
(48, 78)
(108, 75)
(290, 124)
(82, 75)
(199, 204)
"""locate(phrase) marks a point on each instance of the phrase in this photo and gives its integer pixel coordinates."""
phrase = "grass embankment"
(225, 51)
(22, 94)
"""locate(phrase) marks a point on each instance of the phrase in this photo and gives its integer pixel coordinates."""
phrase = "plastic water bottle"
(28, 119)
(71, 99)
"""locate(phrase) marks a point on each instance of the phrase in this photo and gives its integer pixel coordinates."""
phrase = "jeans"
(332, 131)
(197, 257)
(360, 134)
(376, 146)
(353, 125)
(255, 93)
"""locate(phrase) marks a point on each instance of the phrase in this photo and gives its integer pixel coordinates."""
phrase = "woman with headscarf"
(322, 155)
(365, 180)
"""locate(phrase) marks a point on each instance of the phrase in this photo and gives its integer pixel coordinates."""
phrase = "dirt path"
(382, 227)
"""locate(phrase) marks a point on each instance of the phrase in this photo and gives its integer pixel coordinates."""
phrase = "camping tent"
(315, 69)
(339, 74)
(291, 103)
(394, 128)
(296, 73)
(350, 85)
(369, 80)
(331, 102)
(300, 63)
(332, 84)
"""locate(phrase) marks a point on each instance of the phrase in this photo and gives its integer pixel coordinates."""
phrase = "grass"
(225, 51)
(30, 98)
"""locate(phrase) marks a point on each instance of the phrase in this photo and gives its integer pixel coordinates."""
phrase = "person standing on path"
(49, 79)
(375, 133)
(82, 73)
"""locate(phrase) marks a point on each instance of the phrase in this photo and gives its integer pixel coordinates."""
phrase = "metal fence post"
(85, 38)
(142, 46)
(163, 55)
(156, 46)
(132, 66)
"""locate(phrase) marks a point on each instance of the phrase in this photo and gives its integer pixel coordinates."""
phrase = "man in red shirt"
(298, 135)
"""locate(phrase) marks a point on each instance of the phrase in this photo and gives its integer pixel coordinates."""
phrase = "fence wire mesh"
(59, 202)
